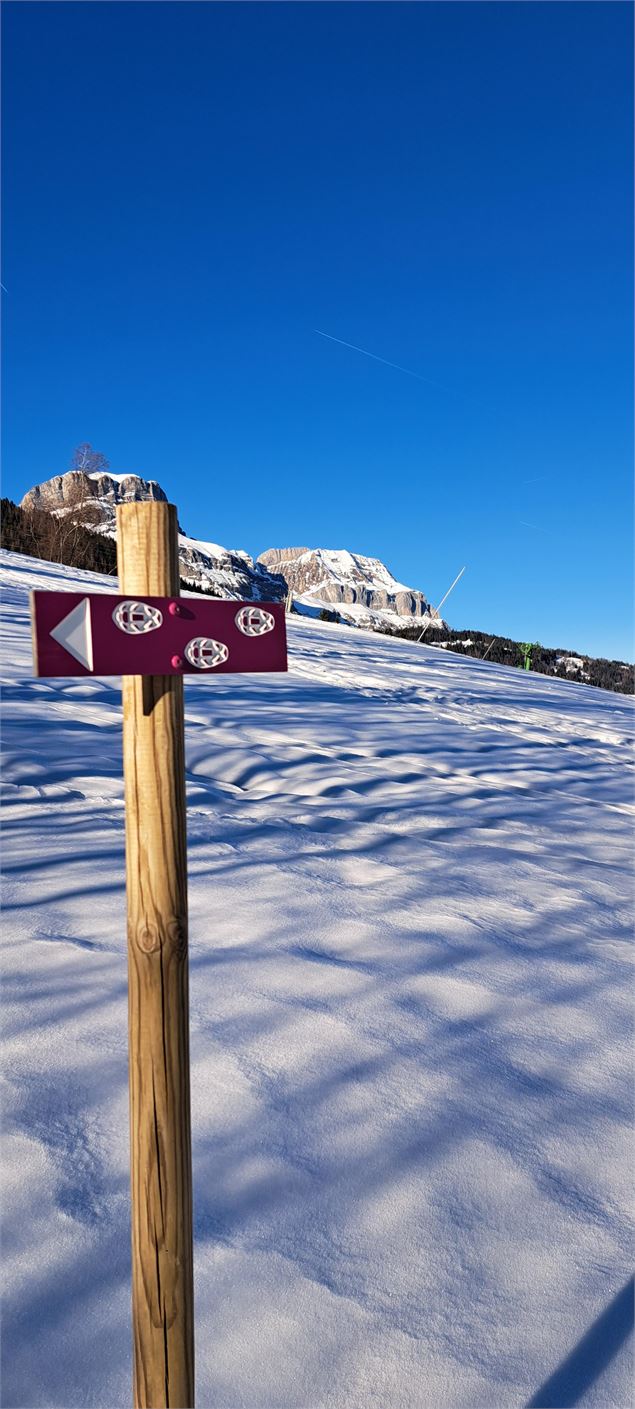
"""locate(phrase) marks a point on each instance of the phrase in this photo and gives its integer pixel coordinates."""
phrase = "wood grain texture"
(158, 1008)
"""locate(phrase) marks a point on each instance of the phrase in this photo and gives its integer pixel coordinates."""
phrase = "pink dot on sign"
(176, 662)
(174, 609)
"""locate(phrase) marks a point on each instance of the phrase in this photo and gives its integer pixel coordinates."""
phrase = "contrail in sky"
(375, 358)
(537, 526)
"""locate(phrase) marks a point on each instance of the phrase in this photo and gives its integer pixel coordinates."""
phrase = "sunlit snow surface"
(411, 910)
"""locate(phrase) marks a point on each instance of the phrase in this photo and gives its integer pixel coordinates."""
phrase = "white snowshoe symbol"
(204, 653)
(135, 618)
(253, 621)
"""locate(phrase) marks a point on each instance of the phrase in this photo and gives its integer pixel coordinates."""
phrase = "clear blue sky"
(191, 189)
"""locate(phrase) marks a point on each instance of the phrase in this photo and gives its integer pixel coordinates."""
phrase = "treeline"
(61, 538)
(58, 538)
(614, 675)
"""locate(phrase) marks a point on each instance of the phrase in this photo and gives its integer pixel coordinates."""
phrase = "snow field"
(411, 914)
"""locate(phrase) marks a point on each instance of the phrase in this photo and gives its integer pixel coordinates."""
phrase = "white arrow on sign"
(74, 633)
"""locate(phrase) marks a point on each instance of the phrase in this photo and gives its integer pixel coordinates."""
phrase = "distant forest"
(62, 539)
(606, 674)
(55, 538)
(614, 675)
(59, 539)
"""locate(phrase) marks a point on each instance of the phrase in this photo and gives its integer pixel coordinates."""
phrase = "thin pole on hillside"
(158, 1011)
(438, 609)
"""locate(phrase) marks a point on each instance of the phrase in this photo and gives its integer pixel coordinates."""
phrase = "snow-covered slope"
(327, 576)
(411, 915)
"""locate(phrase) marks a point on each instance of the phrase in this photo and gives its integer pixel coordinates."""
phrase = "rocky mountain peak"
(342, 578)
(98, 492)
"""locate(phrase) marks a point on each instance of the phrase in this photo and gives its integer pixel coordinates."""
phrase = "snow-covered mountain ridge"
(362, 588)
(346, 579)
(95, 496)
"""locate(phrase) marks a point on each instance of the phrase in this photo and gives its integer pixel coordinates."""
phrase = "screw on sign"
(152, 638)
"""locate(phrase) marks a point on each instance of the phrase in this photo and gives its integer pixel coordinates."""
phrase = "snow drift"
(411, 913)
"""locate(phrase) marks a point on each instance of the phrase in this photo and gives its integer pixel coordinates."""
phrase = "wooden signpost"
(152, 639)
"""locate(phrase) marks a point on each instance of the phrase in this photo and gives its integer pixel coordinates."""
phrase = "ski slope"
(411, 914)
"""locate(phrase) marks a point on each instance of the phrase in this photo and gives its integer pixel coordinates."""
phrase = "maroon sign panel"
(102, 634)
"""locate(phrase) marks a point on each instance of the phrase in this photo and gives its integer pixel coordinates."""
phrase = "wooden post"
(158, 1017)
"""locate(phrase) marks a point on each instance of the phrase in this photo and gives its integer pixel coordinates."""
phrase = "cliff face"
(346, 578)
(93, 499)
(99, 494)
(228, 574)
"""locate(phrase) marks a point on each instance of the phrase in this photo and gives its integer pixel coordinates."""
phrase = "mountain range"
(362, 589)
